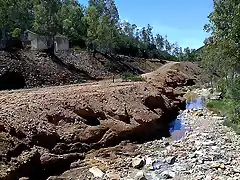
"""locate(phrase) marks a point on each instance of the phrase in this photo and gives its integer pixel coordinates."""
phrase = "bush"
(131, 77)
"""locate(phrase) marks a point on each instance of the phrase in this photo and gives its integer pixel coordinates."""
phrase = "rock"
(149, 160)
(96, 172)
(57, 178)
(156, 165)
(216, 96)
(56, 160)
(168, 174)
(208, 177)
(113, 176)
(52, 163)
(138, 162)
(236, 170)
(22, 165)
(137, 175)
(209, 143)
(197, 113)
(140, 176)
(24, 178)
(171, 159)
(218, 165)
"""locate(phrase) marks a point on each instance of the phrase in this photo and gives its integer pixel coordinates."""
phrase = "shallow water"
(179, 127)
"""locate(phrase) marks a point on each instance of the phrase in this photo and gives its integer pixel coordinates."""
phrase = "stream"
(179, 127)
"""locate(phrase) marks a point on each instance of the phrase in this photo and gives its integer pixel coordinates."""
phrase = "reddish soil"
(44, 130)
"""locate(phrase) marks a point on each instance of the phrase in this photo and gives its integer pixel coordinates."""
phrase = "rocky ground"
(208, 151)
(23, 68)
(202, 149)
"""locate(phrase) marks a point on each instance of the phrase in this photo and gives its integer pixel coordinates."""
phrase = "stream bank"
(204, 150)
(207, 151)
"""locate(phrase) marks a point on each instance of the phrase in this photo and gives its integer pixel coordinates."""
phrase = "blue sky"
(181, 20)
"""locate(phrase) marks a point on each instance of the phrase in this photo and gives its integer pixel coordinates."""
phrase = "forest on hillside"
(96, 27)
(221, 56)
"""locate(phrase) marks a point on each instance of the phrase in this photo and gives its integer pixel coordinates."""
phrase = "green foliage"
(16, 33)
(221, 53)
(15, 14)
(46, 19)
(97, 27)
(102, 18)
(71, 20)
(131, 77)
(218, 106)
(228, 108)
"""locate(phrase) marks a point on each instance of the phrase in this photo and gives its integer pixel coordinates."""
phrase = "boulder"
(96, 172)
(138, 162)
(216, 96)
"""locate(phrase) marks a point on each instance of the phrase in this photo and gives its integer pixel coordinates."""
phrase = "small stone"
(171, 160)
(218, 165)
(140, 175)
(168, 174)
(138, 162)
(24, 178)
(208, 177)
(236, 170)
(113, 176)
(149, 160)
(209, 143)
(156, 165)
(96, 172)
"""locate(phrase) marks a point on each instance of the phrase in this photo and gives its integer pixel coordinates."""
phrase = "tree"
(46, 19)
(224, 41)
(167, 45)
(71, 21)
(102, 20)
(159, 42)
(16, 15)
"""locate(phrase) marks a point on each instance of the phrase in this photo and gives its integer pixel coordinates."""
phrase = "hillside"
(27, 69)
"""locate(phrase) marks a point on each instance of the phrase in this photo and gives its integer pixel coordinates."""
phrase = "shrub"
(131, 77)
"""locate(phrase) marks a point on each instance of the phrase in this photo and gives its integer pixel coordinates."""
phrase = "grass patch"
(226, 108)
(235, 127)
(131, 77)
(218, 106)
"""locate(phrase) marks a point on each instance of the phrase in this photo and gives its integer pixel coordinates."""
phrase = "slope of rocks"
(27, 69)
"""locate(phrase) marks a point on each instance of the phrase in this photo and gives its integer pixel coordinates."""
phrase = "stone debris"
(96, 172)
(209, 151)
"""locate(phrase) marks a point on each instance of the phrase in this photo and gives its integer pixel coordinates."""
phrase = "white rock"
(140, 176)
(171, 159)
(96, 172)
(168, 174)
(138, 162)
(208, 177)
(209, 143)
(149, 160)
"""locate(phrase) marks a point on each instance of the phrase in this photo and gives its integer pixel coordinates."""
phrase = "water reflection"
(195, 103)
(179, 127)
